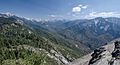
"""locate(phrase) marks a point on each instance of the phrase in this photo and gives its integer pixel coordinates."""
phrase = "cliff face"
(105, 55)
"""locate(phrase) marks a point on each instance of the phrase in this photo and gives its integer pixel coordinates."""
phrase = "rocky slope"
(25, 42)
(105, 55)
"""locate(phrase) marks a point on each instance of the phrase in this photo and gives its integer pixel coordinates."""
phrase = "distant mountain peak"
(8, 14)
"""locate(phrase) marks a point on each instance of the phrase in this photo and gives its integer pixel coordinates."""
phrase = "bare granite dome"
(105, 55)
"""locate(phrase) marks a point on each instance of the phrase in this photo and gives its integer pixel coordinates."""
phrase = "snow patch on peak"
(106, 27)
(96, 22)
(106, 20)
(101, 27)
(8, 14)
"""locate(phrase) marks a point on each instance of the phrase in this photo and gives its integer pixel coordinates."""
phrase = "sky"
(61, 9)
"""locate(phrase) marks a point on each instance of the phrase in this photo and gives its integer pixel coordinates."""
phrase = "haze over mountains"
(57, 42)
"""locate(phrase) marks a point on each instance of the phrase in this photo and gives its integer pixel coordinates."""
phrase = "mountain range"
(58, 42)
(92, 33)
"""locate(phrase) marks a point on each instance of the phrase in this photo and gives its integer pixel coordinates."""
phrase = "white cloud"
(102, 14)
(80, 5)
(78, 8)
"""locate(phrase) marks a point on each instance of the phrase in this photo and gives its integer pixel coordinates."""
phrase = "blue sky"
(60, 9)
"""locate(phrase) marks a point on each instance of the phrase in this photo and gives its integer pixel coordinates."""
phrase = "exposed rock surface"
(105, 55)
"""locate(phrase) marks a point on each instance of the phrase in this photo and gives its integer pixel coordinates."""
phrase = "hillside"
(24, 42)
(93, 32)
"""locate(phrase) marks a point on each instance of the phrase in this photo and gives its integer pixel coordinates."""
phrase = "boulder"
(116, 52)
